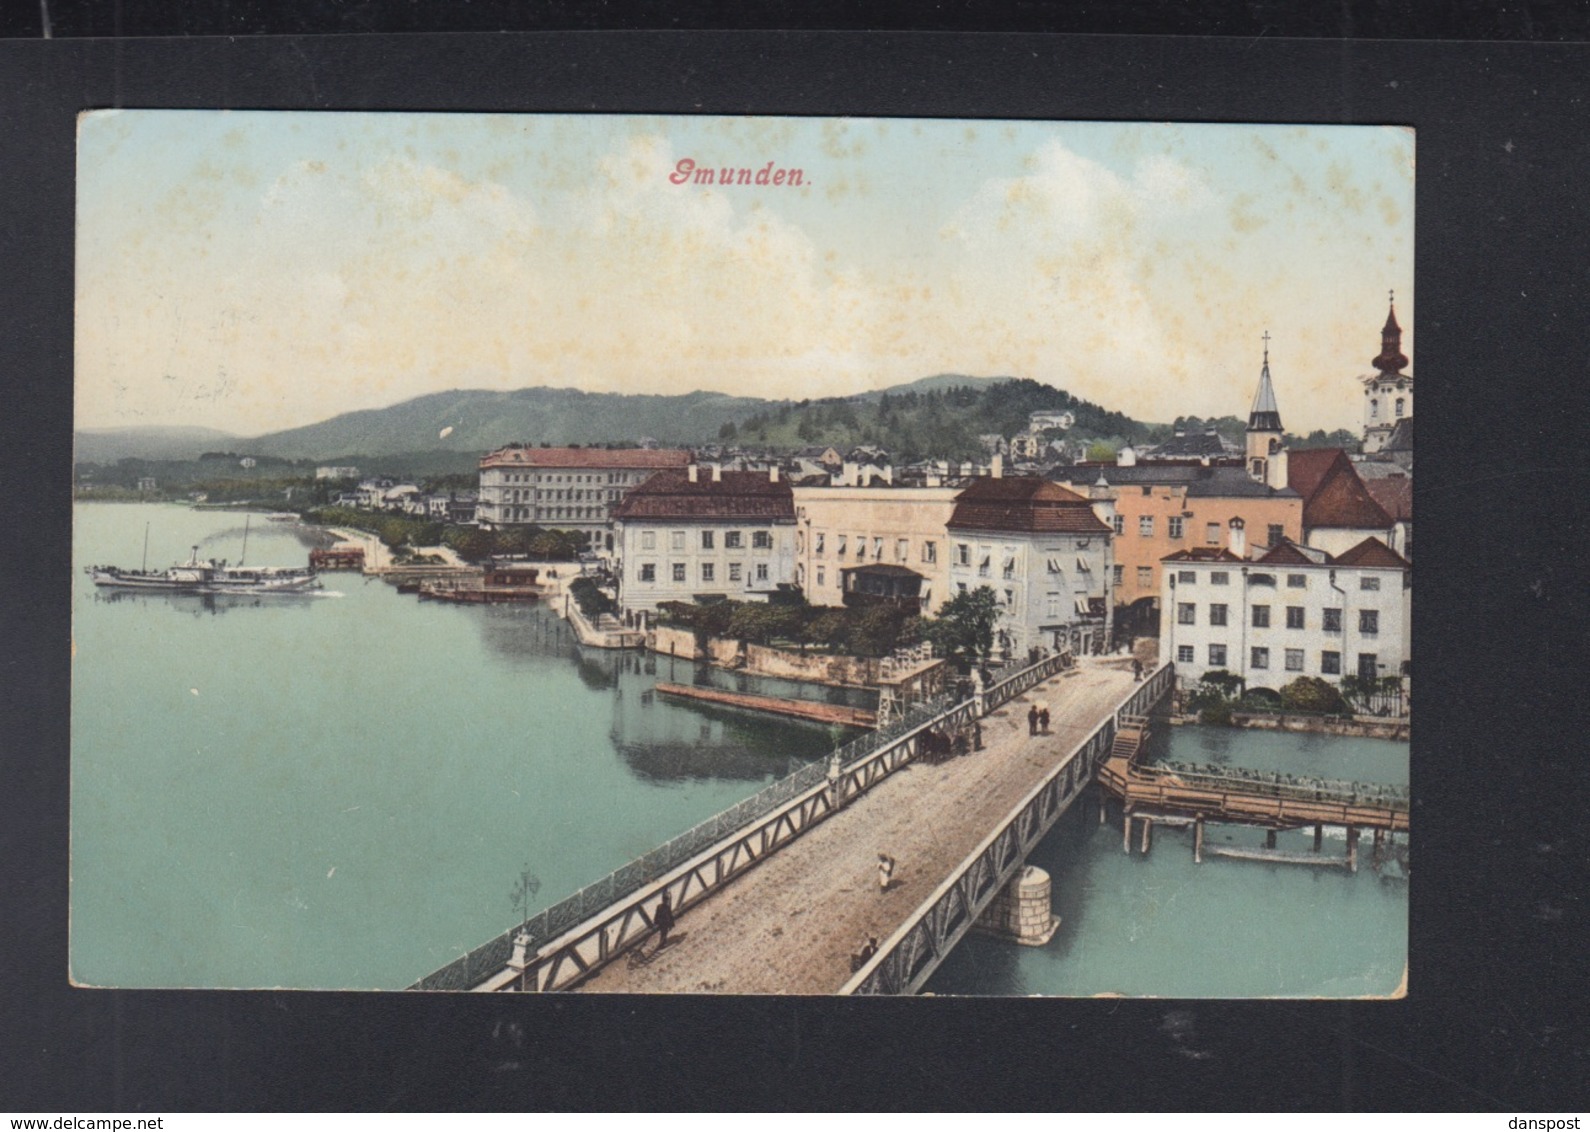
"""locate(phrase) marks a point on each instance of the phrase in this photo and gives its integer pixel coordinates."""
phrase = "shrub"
(1311, 694)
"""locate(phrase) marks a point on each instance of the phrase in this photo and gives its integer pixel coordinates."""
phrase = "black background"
(1494, 1017)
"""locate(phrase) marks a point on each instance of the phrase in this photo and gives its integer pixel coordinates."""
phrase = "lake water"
(342, 792)
(1164, 926)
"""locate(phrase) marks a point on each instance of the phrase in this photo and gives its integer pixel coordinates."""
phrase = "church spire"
(1391, 360)
(1265, 416)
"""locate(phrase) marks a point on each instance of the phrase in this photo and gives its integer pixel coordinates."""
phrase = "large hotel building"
(571, 489)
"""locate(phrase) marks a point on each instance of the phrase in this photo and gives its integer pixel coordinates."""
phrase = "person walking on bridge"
(664, 919)
(1032, 720)
(1137, 670)
(885, 871)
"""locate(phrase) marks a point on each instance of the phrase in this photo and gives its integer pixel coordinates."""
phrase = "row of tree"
(963, 631)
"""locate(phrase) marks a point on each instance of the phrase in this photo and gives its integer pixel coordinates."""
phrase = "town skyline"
(253, 272)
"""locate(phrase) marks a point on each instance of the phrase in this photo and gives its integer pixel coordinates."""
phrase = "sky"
(253, 271)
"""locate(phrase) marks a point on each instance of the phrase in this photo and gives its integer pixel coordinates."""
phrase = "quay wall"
(1355, 727)
(760, 660)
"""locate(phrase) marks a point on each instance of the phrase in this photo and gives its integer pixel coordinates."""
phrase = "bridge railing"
(490, 957)
(1275, 785)
(908, 957)
(1002, 692)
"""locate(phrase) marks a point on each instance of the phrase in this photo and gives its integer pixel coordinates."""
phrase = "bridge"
(1176, 794)
(775, 895)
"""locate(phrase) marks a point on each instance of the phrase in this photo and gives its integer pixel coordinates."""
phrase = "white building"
(700, 534)
(1388, 392)
(1044, 553)
(1295, 611)
(336, 472)
(570, 489)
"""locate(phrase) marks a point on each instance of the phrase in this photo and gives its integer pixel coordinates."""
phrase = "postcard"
(558, 553)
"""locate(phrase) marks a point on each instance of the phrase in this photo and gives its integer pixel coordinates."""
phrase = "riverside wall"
(1357, 727)
(760, 660)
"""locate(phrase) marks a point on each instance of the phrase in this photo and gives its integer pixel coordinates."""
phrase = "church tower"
(1388, 392)
(1266, 457)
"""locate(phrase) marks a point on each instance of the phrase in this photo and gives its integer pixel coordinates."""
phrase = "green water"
(341, 791)
(1163, 926)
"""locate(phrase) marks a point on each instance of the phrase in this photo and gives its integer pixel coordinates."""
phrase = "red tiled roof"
(1394, 494)
(1343, 501)
(1307, 468)
(1203, 554)
(737, 496)
(1285, 554)
(516, 457)
(1023, 503)
(1374, 553)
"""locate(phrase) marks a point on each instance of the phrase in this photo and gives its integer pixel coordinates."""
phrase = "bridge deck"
(789, 925)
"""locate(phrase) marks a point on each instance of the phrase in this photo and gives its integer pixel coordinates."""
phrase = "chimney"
(691, 472)
(717, 473)
(1239, 538)
(772, 473)
(998, 468)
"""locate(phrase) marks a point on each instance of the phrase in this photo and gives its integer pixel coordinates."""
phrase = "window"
(648, 572)
(1401, 404)
(1297, 581)
(706, 540)
(1261, 616)
(1009, 570)
(1010, 599)
(1367, 583)
(902, 550)
(930, 552)
(821, 578)
(1185, 577)
(707, 571)
(762, 540)
(1294, 660)
(963, 554)
(983, 566)
(1184, 654)
(1369, 622)
(820, 539)
(861, 547)
(676, 540)
(1294, 617)
(1145, 575)
(1374, 408)
(731, 540)
(1217, 656)
(1145, 526)
(1148, 489)
(1212, 534)
(1175, 522)
(1332, 621)
(1330, 663)
(877, 550)
(960, 587)
(679, 571)
(844, 542)
(1219, 578)
(761, 571)
(1259, 657)
(1118, 574)
(648, 540)
(1186, 613)
(1051, 606)
(1119, 522)
(1277, 532)
(1217, 614)
(734, 572)
(1368, 666)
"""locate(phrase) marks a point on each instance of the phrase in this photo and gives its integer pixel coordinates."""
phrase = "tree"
(964, 629)
(728, 431)
(1100, 452)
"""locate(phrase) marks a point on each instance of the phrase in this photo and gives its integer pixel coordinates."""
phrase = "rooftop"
(736, 496)
(521, 457)
(1023, 503)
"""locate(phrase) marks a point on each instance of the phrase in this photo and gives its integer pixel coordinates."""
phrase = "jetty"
(841, 714)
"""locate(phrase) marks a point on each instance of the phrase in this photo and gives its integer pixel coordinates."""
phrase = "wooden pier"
(841, 714)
